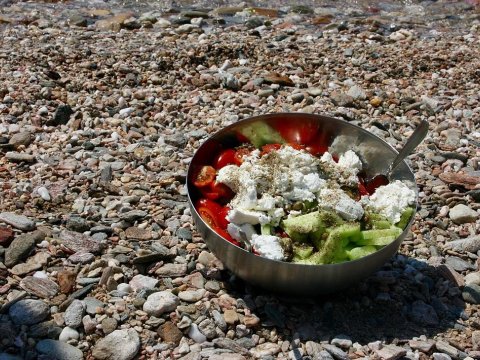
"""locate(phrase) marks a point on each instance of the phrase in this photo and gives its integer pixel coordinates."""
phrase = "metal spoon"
(416, 138)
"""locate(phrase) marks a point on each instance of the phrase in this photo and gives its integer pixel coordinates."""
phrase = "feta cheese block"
(242, 216)
(338, 201)
(268, 246)
(391, 200)
(239, 231)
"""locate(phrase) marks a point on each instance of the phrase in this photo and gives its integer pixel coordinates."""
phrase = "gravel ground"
(100, 114)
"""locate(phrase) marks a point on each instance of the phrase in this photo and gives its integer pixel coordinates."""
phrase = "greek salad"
(283, 196)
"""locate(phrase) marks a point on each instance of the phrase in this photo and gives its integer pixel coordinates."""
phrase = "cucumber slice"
(333, 248)
(405, 217)
(361, 251)
(379, 237)
(266, 229)
(381, 224)
(261, 134)
(301, 252)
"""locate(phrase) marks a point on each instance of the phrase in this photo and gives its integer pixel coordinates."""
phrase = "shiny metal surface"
(292, 278)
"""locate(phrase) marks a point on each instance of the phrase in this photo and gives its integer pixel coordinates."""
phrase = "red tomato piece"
(205, 176)
(300, 133)
(212, 213)
(316, 149)
(218, 191)
(226, 236)
(239, 154)
(376, 182)
(269, 148)
(226, 157)
(362, 190)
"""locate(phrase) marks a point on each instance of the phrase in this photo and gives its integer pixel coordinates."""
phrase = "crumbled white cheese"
(238, 231)
(268, 246)
(242, 216)
(338, 201)
(350, 160)
(391, 200)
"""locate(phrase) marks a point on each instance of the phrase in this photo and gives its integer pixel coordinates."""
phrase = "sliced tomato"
(226, 157)
(269, 148)
(362, 190)
(240, 153)
(212, 213)
(218, 191)
(205, 176)
(376, 182)
(223, 233)
(300, 133)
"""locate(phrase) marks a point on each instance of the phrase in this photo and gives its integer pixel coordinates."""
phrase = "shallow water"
(426, 16)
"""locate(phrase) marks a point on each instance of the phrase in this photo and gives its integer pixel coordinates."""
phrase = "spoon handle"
(412, 142)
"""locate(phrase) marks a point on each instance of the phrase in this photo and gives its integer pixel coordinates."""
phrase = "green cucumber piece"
(361, 251)
(266, 229)
(405, 217)
(259, 134)
(381, 224)
(301, 252)
(380, 237)
(333, 248)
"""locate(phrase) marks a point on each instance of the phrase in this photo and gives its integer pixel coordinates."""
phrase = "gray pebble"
(55, 349)
(29, 312)
(74, 313)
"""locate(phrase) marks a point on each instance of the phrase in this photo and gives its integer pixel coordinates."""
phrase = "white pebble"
(196, 335)
(44, 194)
(68, 334)
(40, 275)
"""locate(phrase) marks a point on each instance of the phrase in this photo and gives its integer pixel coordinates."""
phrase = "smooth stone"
(192, 295)
(461, 214)
(74, 313)
(472, 278)
(6, 236)
(170, 333)
(22, 138)
(68, 334)
(45, 330)
(133, 215)
(138, 233)
(20, 157)
(471, 293)
(81, 257)
(44, 194)
(423, 313)
(66, 280)
(59, 350)
(356, 92)
(21, 247)
(423, 346)
(195, 334)
(77, 224)
(20, 222)
(172, 270)
(118, 345)
(5, 356)
(29, 312)
(391, 352)
(446, 348)
(336, 352)
(43, 288)
(459, 264)
(139, 282)
(265, 349)
(160, 302)
(207, 328)
(33, 263)
(441, 356)
(125, 288)
(470, 244)
(342, 341)
(109, 325)
(78, 242)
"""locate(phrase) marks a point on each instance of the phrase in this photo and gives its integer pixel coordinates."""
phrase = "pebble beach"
(102, 106)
